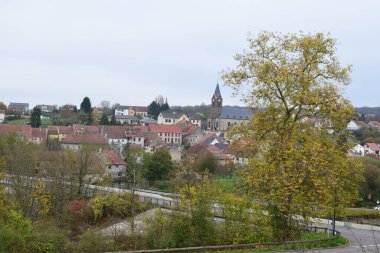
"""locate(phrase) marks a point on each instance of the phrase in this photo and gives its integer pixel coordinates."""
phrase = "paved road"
(360, 241)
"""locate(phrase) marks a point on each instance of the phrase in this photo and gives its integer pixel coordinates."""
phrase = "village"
(134, 126)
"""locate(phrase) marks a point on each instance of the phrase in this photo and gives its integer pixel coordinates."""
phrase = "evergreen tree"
(104, 120)
(164, 107)
(154, 109)
(86, 105)
(113, 120)
(35, 119)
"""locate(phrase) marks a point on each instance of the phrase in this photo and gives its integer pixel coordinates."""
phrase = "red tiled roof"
(54, 130)
(140, 108)
(84, 139)
(135, 131)
(373, 146)
(208, 136)
(153, 140)
(89, 129)
(24, 130)
(113, 157)
(162, 128)
(113, 132)
(359, 123)
(39, 133)
(374, 123)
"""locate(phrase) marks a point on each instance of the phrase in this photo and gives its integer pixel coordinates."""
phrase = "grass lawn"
(227, 183)
(340, 241)
(45, 122)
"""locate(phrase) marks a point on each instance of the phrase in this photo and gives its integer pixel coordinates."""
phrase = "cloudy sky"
(57, 52)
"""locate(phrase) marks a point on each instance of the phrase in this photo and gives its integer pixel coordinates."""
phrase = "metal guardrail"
(237, 246)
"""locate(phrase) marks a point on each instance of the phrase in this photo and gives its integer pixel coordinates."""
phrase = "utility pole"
(334, 205)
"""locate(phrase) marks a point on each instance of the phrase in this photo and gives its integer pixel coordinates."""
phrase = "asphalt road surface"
(360, 241)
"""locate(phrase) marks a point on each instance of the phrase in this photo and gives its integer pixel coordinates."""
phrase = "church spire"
(217, 92)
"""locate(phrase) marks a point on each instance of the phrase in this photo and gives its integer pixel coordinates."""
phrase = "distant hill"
(368, 110)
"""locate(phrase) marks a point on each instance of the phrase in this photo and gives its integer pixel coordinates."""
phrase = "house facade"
(195, 119)
(372, 148)
(47, 108)
(122, 110)
(18, 107)
(114, 165)
(127, 120)
(170, 134)
(2, 116)
(374, 124)
(355, 125)
(171, 118)
(358, 150)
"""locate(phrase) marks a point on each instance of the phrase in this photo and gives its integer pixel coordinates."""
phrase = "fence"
(240, 246)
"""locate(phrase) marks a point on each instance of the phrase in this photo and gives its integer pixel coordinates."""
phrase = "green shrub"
(91, 242)
(362, 213)
(115, 204)
(47, 239)
(15, 233)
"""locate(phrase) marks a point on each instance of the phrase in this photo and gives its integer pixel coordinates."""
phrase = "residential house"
(374, 124)
(24, 131)
(126, 120)
(114, 134)
(135, 134)
(195, 119)
(191, 134)
(210, 139)
(39, 135)
(122, 110)
(47, 108)
(2, 116)
(69, 107)
(355, 125)
(170, 134)
(153, 142)
(372, 148)
(115, 166)
(139, 111)
(146, 121)
(358, 150)
(216, 151)
(58, 133)
(18, 107)
(85, 129)
(167, 118)
(75, 141)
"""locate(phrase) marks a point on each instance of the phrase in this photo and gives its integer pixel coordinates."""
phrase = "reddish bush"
(79, 210)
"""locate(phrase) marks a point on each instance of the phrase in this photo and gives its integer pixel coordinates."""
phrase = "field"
(45, 122)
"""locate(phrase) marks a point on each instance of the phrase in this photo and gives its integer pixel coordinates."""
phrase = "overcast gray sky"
(57, 52)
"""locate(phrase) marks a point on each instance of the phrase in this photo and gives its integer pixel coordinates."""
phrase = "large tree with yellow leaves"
(296, 167)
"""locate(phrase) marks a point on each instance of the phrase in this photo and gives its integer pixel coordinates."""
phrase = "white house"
(374, 124)
(2, 116)
(372, 148)
(122, 110)
(358, 150)
(355, 125)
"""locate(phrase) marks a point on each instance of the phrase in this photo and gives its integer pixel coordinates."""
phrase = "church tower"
(216, 109)
(217, 100)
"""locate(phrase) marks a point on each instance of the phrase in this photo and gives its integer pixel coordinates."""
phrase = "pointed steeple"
(217, 92)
